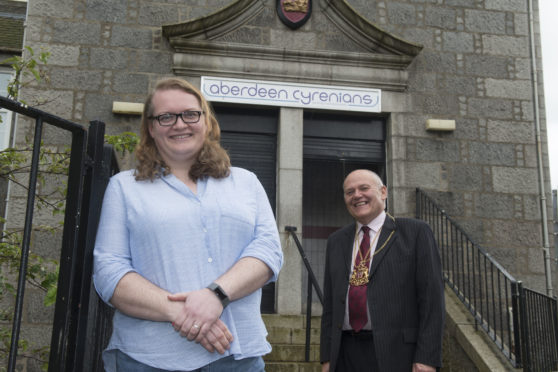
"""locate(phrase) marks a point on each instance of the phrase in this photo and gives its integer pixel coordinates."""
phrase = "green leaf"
(50, 298)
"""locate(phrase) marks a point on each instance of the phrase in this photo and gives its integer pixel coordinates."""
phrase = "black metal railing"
(540, 338)
(78, 311)
(514, 317)
(312, 282)
(95, 317)
(555, 220)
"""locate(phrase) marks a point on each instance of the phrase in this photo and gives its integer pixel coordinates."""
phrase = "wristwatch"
(221, 295)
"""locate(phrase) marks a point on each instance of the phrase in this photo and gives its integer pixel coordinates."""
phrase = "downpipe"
(540, 168)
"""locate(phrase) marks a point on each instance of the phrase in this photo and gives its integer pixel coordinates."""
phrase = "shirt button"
(210, 260)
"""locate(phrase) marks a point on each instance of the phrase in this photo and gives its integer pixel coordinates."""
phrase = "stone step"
(290, 321)
(292, 353)
(292, 336)
(291, 329)
(287, 335)
(293, 367)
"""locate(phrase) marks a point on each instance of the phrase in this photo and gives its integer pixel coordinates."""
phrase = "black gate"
(81, 321)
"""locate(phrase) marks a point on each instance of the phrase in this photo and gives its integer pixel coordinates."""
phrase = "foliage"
(42, 272)
(123, 143)
(27, 70)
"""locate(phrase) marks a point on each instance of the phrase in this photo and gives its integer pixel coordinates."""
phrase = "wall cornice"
(363, 32)
(218, 23)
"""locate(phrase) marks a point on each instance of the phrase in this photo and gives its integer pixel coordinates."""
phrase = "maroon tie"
(358, 314)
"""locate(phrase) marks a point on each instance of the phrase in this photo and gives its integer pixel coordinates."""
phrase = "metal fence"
(81, 320)
(539, 341)
(520, 322)
(555, 220)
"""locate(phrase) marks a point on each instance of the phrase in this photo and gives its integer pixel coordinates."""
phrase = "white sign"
(271, 93)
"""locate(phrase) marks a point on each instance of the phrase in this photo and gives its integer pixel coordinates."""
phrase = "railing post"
(308, 319)
(25, 244)
(524, 329)
(518, 345)
(418, 204)
(95, 183)
(292, 231)
(67, 306)
(312, 282)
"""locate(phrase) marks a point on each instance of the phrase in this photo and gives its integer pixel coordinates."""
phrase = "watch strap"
(220, 293)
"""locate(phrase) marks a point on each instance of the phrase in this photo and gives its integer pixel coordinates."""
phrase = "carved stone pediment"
(378, 59)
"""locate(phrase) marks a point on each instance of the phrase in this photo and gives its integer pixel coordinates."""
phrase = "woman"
(179, 238)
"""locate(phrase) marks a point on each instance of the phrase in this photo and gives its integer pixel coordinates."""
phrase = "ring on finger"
(196, 326)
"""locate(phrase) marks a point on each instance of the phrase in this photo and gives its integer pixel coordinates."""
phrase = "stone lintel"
(382, 71)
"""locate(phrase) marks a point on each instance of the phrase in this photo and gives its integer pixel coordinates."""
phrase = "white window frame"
(5, 126)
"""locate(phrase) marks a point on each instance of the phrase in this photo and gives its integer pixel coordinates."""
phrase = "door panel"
(250, 137)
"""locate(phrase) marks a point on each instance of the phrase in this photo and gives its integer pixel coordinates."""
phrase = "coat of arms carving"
(294, 13)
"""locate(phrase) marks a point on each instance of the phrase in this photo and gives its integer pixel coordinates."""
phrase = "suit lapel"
(386, 239)
(348, 242)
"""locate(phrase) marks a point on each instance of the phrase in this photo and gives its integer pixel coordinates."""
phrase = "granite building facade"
(457, 113)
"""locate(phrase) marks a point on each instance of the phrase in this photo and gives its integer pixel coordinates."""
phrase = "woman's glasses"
(168, 119)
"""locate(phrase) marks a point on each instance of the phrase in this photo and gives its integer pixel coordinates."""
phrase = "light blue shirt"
(182, 242)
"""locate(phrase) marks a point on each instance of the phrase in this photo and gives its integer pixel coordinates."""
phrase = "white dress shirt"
(375, 225)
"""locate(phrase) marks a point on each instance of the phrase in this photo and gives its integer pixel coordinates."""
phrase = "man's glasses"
(168, 119)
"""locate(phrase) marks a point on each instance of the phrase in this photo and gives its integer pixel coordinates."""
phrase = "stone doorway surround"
(376, 59)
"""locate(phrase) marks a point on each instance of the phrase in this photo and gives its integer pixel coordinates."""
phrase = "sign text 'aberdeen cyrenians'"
(291, 94)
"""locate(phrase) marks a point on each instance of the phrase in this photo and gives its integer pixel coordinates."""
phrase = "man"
(383, 289)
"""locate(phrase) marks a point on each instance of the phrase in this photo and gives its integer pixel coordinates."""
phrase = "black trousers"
(357, 353)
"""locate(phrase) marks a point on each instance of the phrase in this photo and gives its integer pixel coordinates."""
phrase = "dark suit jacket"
(405, 295)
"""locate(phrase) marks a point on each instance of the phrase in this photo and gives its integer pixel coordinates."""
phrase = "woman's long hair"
(211, 161)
